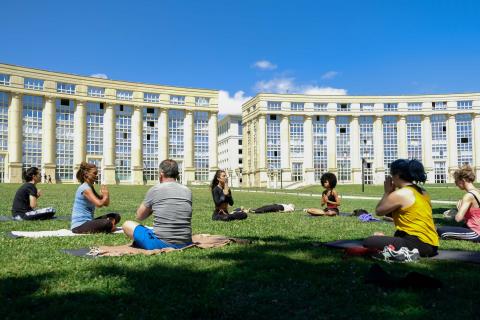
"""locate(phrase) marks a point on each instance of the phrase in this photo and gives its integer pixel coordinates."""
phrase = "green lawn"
(280, 275)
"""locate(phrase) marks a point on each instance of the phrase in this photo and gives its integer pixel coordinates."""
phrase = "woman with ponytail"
(411, 210)
(25, 201)
(222, 198)
(86, 199)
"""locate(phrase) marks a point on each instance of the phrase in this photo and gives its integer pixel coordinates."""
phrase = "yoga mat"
(49, 233)
(60, 218)
(455, 255)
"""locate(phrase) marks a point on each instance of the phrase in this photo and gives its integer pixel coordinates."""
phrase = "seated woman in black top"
(25, 200)
(222, 197)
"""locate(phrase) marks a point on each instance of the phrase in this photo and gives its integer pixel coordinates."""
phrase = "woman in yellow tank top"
(411, 210)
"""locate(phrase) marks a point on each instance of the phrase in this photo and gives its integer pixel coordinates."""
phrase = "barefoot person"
(222, 198)
(330, 197)
(87, 199)
(468, 209)
(411, 210)
(171, 205)
(25, 201)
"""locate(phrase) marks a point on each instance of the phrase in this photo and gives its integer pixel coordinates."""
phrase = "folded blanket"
(204, 241)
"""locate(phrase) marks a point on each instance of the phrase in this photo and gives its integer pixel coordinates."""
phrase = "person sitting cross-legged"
(25, 201)
(171, 205)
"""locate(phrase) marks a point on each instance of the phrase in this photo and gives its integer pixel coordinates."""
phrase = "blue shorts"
(145, 238)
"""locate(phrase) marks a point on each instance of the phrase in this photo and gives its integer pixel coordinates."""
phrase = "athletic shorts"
(145, 238)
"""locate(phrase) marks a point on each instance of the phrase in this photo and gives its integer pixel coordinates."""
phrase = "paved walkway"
(343, 197)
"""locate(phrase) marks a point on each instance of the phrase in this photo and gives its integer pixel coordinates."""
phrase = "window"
(464, 104)
(273, 143)
(35, 84)
(296, 137)
(96, 92)
(180, 100)
(320, 106)
(343, 106)
(440, 171)
(66, 88)
(240, 142)
(3, 121)
(442, 105)
(414, 137)
(150, 144)
(201, 156)
(64, 139)
(124, 95)
(274, 105)
(95, 128)
(439, 137)
(414, 106)
(390, 143)
(390, 107)
(240, 151)
(319, 146)
(343, 148)
(4, 79)
(175, 134)
(240, 127)
(366, 138)
(32, 131)
(123, 148)
(151, 97)
(366, 106)
(297, 106)
(202, 101)
(464, 139)
(297, 171)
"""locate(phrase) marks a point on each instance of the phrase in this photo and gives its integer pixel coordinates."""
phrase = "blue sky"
(244, 47)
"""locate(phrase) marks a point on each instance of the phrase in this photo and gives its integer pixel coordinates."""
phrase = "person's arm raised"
(390, 200)
(143, 212)
(98, 202)
(463, 207)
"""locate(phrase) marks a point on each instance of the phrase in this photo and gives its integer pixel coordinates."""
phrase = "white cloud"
(231, 105)
(288, 85)
(315, 90)
(99, 75)
(329, 75)
(264, 65)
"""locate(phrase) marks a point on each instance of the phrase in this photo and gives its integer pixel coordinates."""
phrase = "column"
(476, 143)
(188, 148)
(49, 141)
(331, 145)
(309, 176)
(163, 135)
(108, 175)
(137, 145)
(427, 148)
(378, 150)
(213, 143)
(452, 146)
(246, 155)
(80, 133)
(355, 150)
(402, 137)
(15, 138)
(261, 149)
(285, 149)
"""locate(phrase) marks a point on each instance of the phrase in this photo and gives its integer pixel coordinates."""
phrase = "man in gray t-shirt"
(171, 206)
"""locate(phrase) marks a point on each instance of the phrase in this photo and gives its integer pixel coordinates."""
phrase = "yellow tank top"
(417, 220)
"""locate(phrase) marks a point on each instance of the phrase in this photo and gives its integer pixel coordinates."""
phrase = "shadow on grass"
(274, 277)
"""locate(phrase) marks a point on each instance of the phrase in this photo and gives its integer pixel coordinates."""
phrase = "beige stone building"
(293, 139)
(55, 121)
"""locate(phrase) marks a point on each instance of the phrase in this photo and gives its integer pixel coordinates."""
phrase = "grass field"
(280, 275)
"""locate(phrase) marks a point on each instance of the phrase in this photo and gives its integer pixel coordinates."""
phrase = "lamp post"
(363, 174)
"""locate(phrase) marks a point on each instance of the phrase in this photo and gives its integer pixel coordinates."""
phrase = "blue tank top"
(83, 209)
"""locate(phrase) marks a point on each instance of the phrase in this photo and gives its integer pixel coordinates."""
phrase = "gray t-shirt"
(171, 204)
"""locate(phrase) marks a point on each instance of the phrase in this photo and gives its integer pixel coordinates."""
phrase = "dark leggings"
(221, 215)
(269, 208)
(102, 224)
(39, 214)
(401, 239)
(458, 233)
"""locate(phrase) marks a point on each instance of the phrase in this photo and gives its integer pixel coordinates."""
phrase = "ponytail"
(409, 170)
(83, 170)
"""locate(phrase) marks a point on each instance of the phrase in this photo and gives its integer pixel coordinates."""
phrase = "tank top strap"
(478, 202)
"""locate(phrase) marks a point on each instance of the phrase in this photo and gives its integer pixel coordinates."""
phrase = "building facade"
(54, 121)
(295, 138)
(230, 148)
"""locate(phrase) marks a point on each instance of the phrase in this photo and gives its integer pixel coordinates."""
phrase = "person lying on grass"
(222, 198)
(25, 201)
(86, 199)
(330, 197)
(468, 209)
(171, 205)
(411, 210)
(290, 207)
